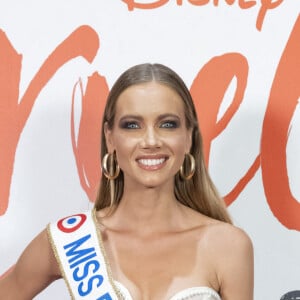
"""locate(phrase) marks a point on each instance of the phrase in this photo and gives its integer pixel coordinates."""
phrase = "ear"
(108, 138)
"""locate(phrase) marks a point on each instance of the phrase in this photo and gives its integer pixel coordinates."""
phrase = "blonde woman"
(159, 229)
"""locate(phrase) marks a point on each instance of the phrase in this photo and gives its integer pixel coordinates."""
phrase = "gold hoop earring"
(113, 171)
(192, 167)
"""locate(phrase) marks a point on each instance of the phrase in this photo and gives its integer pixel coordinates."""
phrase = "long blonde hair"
(198, 193)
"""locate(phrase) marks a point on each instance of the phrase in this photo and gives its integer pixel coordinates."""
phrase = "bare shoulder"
(35, 269)
(228, 244)
(228, 236)
(39, 252)
(232, 252)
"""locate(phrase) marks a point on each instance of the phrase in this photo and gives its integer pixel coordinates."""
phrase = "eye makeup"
(169, 121)
(170, 124)
(165, 121)
(129, 125)
(130, 122)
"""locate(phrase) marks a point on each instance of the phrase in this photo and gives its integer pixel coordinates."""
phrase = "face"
(149, 134)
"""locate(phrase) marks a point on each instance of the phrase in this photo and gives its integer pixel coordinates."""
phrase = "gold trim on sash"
(54, 249)
(100, 242)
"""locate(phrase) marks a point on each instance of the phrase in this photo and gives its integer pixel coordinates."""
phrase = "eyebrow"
(135, 117)
(160, 117)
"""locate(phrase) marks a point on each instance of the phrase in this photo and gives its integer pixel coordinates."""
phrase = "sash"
(77, 245)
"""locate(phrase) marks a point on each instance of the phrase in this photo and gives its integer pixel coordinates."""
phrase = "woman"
(161, 230)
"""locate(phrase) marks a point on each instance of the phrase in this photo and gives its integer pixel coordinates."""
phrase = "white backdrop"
(186, 35)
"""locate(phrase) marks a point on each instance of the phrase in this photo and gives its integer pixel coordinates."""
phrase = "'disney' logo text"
(264, 5)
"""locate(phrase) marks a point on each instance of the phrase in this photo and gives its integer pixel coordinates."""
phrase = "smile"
(151, 162)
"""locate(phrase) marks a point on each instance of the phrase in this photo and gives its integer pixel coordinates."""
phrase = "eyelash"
(168, 124)
(129, 125)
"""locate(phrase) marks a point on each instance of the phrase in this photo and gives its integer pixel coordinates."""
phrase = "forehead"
(149, 97)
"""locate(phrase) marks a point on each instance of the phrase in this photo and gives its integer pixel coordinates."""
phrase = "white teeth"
(151, 162)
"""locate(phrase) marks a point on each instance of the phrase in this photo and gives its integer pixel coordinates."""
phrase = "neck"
(148, 210)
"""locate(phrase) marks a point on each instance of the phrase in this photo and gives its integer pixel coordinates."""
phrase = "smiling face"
(149, 134)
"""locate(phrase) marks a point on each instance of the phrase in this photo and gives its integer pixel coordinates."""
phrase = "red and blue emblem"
(71, 223)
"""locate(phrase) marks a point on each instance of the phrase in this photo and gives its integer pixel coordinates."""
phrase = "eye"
(129, 125)
(169, 124)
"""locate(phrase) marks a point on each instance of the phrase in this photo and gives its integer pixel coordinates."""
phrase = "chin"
(149, 185)
(152, 184)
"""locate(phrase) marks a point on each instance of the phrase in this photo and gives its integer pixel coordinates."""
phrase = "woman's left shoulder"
(230, 251)
(229, 236)
(229, 239)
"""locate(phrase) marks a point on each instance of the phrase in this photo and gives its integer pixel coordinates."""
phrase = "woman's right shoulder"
(40, 250)
(35, 269)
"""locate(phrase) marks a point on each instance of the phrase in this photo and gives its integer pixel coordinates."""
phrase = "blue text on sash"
(85, 266)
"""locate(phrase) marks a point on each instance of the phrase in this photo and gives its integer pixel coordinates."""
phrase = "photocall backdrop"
(241, 61)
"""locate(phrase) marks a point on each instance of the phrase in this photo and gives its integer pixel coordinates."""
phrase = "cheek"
(179, 144)
(124, 147)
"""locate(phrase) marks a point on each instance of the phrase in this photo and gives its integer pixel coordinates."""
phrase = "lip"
(152, 163)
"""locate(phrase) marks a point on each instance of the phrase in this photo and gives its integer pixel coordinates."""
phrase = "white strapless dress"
(193, 293)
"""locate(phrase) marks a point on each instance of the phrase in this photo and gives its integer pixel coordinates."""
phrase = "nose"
(150, 139)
